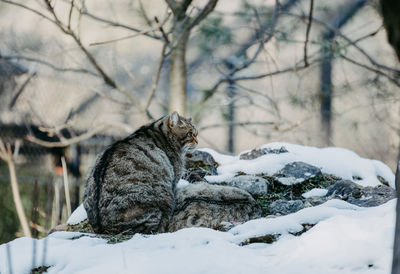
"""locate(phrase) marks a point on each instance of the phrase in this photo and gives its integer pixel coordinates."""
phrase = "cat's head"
(183, 129)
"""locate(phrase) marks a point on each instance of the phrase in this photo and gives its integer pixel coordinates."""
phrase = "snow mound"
(315, 192)
(77, 216)
(340, 162)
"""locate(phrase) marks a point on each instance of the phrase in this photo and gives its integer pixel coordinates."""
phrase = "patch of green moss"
(115, 239)
(40, 269)
(266, 239)
(382, 180)
(84, 227)
(306, 227)
(277, 191)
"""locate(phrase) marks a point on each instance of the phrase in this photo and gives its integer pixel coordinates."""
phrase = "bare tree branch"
(116, 24)
(20, 90)
(70, 14)
(236, 124)
(28, 8)
(173, 5)
(107, 79)
(156, 79)
(160, 27)
(222, 80)
(67, 142)
(209, 7)
(151, 29)
(377, 71)
(262, 42)
(7, 156)
(347, 39)
(39, 61)
(308, 31)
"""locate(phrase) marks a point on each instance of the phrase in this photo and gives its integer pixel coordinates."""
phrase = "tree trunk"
(326, 88)
(391, 20)
(326, 94)
(231, 116)
(396, 247)
(177, 95)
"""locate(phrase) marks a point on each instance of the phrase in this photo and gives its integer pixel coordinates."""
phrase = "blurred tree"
(390, 12)
(341, 17)
(183, 23)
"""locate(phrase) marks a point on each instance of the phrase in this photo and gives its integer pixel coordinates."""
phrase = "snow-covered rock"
(284, 207)
(254, 185)
(296, 173)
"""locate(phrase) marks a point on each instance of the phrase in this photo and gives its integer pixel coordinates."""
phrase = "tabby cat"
(132, 186)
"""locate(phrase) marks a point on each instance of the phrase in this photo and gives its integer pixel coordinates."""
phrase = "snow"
(344, 239)
(332, 160)
(182, 183)
(315, 192)
(77, 216)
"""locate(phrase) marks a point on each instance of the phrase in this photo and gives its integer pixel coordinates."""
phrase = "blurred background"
(77, 75)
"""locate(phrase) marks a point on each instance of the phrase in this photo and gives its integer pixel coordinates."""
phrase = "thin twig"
(262, 41)
(379, 72)
(67, 142)
(66, 186)
(107, 79)
(39, 61)
(20, 90)
(347, 39)
(209, 7)
(308, 31)
(70, 14)
(116, 24)
(156, 78)
(252, 77)
(28, 8)
(160, 27)
(7, 156)
(236, 124)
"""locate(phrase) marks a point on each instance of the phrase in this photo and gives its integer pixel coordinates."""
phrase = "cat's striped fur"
(132, 186)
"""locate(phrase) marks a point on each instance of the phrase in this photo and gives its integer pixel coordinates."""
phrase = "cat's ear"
(173, 119)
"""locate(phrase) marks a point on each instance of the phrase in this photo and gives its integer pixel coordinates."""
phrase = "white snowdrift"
(332, 160)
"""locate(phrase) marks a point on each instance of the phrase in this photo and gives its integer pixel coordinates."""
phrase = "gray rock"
(296, 173)
(252, 184)
(210, 205)
(284, 207)
(257, 152)
(199, 164)
(362, 196)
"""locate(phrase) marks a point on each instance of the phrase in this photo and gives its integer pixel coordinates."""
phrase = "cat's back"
(138, 159)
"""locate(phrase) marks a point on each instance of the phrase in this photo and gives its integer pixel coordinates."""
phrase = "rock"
(199, 164)
(361, 196)
(284, 207)
(252, 184)
(257, 152)
(209, 205)
(296, 173)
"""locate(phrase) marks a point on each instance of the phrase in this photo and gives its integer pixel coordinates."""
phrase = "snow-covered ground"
(344, 239)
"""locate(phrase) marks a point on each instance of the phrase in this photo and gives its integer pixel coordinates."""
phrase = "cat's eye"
(190, 133)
